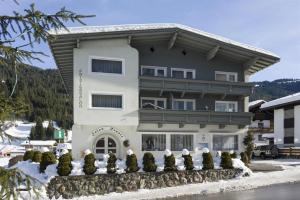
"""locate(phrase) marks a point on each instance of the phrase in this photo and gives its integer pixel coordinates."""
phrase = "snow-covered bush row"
(110, 164)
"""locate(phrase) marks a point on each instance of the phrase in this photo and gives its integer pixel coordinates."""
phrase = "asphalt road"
(289, 191)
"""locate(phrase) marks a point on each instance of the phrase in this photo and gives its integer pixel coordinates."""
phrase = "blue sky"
(269, 24)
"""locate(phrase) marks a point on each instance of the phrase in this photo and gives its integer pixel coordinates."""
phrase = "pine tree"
(149, 162)
(249, 145)
(50, 131)
(207, 162)
(64, 166)
(226, 162)
(32, 135)
(89, 164)
(111, 164)
(244, 158)
(39, 130)
(188, 162)
(131, 163)
(170, 163)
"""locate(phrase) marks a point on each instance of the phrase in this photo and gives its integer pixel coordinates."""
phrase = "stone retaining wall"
(75, 186)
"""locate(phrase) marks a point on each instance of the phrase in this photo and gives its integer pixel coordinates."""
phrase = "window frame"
(236, 139)
(155, 70)
(227, 102)
(107, 59)
(184, 72)
(185, 100)
(155, 100)
(227, 75)
(148, 133)
(183, 134)
(106, 93)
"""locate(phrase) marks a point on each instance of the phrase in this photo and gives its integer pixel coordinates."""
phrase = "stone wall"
(75, 186)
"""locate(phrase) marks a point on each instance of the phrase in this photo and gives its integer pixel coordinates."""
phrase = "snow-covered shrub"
(28, 155)
(64, 167)
(15, 160)
(149, 162)
(89, 167)
(170, 162)
(205, 150)
(226, 162)
(131, 162)
(244, 158)
(188, 160)
(207, 161)
(37, 156)
(48, 158)
(233, 155)
(111, 164)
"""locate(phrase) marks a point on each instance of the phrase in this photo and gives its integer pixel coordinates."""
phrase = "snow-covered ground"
(4, 161)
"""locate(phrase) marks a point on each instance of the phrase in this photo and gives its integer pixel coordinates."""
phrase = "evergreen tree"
(149, 162)
(32, 135)
(39, 130)
(188, 162)
(64, 166)
(28, 155)
(207, 162)
(131, 163)
(48, 158)
(50, 131)
(111, 164)
(89, 164)
(226, 162)
(244, 158)
(249, 145)
(37, 156)
(170, 163)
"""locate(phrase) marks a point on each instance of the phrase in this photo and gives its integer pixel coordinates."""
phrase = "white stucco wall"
(297, 125)
(278, 126)
(125, 84)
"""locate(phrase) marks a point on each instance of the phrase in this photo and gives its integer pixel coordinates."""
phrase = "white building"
(286, 120)
(38, 144)
(157, 86)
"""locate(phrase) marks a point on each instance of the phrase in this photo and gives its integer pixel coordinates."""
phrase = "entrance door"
(105, 145)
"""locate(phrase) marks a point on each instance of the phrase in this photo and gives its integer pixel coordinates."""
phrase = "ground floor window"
(180, 141)
(225, 142)
(153, 142)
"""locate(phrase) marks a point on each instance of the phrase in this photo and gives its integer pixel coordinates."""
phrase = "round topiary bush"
(37, 156)
(244, 158)
(170, 162)
(226, 162)
(48, 158)
(89, 164)
(131, 162)
(64, 166)
(149, 162)
(28, 155)
(188, 162)
(207, 161)
(233, 155)
(111, 164)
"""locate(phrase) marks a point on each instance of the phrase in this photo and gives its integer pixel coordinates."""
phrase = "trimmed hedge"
(48, 158)
(170, 163)
(188, 162)
(89, 164)
(149, 162)
(226, 162)
(131, 163)
(37, 156)
(207, 162)
(64, 166)
(28, 155)
(111, 164)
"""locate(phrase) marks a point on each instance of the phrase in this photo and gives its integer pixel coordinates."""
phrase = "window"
(180, 141)
(260, 125)
(184, 104)
(153, 71)
(226, 106)
(226, 76)
(107, 66)
(106, 101)
(260, 138)
(153, 142)
(183, 73)
(153, 103)
(225, 142)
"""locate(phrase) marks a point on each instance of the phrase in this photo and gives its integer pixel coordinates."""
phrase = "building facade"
(155, 87)
(286, 120)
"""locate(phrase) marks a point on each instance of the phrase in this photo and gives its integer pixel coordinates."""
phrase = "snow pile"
(205, 150)
(77, 168)
(129, 152)
(168, 152)
(185, 152)
(238, 164)
(44, 149)
(87, 152)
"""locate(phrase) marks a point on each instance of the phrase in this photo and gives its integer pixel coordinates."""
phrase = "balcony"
(194, 117)
(195, 86)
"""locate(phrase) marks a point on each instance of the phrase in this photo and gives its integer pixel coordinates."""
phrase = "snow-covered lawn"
(4, 161)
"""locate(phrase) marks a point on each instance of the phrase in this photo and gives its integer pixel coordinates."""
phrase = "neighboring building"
(158, 86)
(286, 120)
(262, 123)
(8, 150)
(38, 144)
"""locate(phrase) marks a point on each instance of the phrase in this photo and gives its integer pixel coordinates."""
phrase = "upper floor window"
(226, 76)
(107, 65)
(183, 73)
(184, 104)
(153, 71)
(226, 106)
(107, 101)
(153, 103)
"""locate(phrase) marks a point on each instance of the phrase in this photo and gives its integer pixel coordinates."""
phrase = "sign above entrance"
(103, 129)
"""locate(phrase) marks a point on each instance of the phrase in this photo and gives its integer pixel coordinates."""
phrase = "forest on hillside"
(43, 94)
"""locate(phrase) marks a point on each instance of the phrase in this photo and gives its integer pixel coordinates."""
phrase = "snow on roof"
(284, 100)
(39, 143)
(155, 26)
(11, 148)
(268, 135)
(254, 103)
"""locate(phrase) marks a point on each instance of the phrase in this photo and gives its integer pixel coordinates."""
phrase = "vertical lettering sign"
(80, 89)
